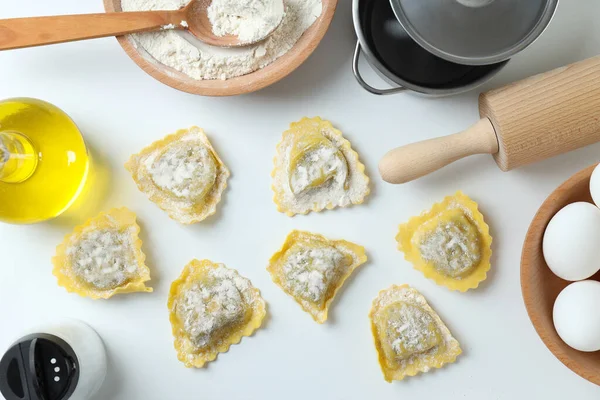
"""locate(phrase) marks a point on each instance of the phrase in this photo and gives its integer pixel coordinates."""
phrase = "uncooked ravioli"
(211, 307)
(409, 336)
(312, 269)
(182, 174)
(316, 168)
(103, 257)
(450, 243)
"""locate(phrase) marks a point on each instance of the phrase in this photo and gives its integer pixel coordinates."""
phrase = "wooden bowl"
(254, 81)
(540, 286)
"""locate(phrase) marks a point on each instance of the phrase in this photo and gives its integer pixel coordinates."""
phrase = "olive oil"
(43, 161)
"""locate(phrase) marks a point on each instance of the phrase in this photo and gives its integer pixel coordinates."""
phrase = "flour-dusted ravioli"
(311, 269)
(409, 336)
(316, 168)
(182, 174)
(450, 243)
(211, 307)
(103, 257)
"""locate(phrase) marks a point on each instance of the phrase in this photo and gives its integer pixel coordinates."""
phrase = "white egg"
(595, 185)
(571, 243)
(576, 316)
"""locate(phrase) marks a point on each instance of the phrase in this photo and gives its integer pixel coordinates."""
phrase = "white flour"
(249, 20)
(182, 52)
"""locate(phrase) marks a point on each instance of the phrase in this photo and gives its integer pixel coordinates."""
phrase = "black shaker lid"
(39, 367)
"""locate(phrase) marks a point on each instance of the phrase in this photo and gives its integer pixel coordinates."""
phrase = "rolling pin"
(521, 123)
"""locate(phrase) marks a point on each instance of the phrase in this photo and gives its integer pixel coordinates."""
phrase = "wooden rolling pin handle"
(415, 160)
(37, 31)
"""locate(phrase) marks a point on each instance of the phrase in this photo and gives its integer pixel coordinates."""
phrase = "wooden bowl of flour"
(541, 287)
(251, 82)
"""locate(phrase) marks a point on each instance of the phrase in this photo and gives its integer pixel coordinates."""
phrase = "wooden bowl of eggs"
(193, 64)
(559, 273)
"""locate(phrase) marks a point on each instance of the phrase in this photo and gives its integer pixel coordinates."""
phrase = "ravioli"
(316, 168)
(182, 174)
(211, 307)
(409, 336)
(450, 244)
(312, 269)
(103, 257)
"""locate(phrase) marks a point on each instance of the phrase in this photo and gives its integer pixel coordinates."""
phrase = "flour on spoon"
(250, 20)
(182, 52)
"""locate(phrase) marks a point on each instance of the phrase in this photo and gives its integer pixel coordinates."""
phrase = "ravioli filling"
(187, 169)
(453, 246)
(311, 272)
(209, 311)
(408, 330)
(104, 258)
(317, 166)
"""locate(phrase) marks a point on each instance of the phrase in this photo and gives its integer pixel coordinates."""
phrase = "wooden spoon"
(38, 31)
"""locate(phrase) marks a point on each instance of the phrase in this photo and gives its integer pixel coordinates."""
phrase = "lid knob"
(474, 3)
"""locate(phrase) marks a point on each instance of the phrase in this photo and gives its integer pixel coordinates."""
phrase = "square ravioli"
(316, 168)
(409, 336)
(211, 307)
(312, 268)
(103, 257)
(182, 174)
(450, 243)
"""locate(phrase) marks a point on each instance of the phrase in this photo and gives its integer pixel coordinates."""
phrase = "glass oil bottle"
(44, 161)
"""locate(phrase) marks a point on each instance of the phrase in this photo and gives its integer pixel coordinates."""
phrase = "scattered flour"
(250, 20)
(104, 258)
(186, 54)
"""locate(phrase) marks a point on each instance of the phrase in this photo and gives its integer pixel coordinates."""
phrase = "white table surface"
(120, 110)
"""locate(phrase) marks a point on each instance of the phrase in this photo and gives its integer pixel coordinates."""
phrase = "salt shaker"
(59, 361)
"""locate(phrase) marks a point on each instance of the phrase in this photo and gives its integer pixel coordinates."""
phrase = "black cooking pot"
(403, 63)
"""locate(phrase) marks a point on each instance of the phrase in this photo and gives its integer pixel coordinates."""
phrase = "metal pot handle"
(362, 82)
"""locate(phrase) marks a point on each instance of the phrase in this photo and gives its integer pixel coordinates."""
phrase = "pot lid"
(474, 32)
